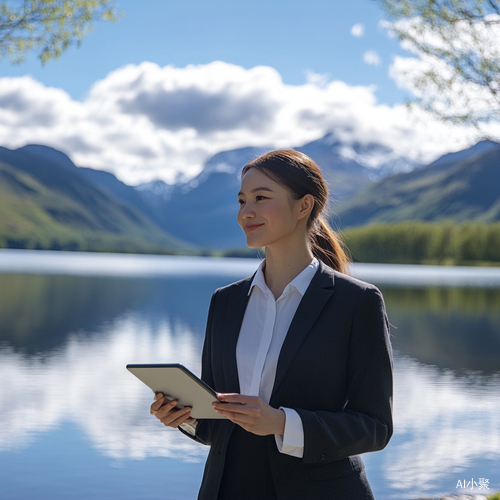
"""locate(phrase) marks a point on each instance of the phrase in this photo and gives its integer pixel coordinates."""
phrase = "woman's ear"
(305, 206)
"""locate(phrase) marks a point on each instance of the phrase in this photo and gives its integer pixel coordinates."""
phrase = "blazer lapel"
(237, 305)
(314, 300)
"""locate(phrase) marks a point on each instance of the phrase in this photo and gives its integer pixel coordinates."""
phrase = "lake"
(74, 424)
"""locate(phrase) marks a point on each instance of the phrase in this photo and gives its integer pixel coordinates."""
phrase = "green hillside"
(467, 189)
(49, 206)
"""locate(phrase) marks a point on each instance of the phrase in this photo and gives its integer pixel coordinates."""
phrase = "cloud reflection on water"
(443, 422)
(85, 382)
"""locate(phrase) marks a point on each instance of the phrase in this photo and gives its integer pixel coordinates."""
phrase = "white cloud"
(145, 121)
(371, 57)
(358, 30)
(319, 79)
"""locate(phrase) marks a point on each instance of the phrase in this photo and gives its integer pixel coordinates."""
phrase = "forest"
(445, 243)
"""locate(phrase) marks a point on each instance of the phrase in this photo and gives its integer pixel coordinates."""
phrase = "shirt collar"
(300, 282)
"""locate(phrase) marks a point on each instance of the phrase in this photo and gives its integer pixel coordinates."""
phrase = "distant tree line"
(445, 243)
(74, 241)
(425, 243)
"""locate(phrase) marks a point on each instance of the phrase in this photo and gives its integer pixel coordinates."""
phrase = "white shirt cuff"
(292, 442)
(190, 428)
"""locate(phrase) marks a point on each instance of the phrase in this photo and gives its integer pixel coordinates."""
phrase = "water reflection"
(38, 312)
(65, 340)
(85, 382)
(457, 328)
(444, 422)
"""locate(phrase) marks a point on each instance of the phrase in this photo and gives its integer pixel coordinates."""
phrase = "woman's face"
(267, 213)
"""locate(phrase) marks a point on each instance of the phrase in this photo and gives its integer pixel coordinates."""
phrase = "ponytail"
(327, 246)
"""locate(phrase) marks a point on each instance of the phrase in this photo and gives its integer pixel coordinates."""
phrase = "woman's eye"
(240, 202)
(260, 197)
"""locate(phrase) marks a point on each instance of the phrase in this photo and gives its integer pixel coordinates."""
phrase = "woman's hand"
(251, 413)
(168, 413)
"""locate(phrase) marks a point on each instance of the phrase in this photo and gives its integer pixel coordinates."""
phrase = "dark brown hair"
(300, 175)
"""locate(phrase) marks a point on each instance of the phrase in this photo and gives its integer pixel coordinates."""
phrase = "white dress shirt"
(261, 337)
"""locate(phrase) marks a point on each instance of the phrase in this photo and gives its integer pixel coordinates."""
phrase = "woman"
(299, 354)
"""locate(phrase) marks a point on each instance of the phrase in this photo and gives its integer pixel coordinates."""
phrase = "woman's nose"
(247, 212)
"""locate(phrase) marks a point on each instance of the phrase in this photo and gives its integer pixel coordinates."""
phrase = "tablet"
(175, 381)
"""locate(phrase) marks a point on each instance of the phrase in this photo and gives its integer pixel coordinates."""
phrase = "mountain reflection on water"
(457, 328)
(65, 341)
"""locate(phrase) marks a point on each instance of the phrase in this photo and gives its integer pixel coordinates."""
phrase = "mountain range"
(460, 187)
(203, 210)
(48, 202)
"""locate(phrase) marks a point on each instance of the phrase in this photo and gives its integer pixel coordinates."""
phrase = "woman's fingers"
(245, 413)
(251, 413)
(168, 413)
(238, 403)
(159, 401)
(176, 417)
(236, 398)
(155, 407)
(165, 407)
(238, 410)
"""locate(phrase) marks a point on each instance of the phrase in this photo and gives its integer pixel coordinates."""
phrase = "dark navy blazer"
(334, 369)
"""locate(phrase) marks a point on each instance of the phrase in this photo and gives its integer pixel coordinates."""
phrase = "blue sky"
(173, 83)
(291, 36)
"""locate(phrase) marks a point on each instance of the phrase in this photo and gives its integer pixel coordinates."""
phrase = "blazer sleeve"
(365, 422)
(204, 426)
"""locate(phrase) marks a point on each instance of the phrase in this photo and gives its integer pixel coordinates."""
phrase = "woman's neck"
(283, 265)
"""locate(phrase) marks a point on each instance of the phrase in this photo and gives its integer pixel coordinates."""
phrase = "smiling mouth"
(252, 227)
